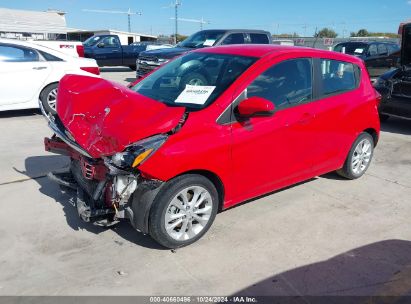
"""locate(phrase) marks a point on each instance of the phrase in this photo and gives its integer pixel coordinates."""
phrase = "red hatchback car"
(209, 130)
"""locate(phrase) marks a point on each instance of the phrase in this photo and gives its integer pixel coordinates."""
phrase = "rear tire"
(359, 158)
(188, 202)
(48, 98)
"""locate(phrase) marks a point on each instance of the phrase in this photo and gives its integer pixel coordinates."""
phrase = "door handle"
(39, 68)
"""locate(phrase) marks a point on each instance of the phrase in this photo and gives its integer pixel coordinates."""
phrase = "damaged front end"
(108, 186)
(105, 193)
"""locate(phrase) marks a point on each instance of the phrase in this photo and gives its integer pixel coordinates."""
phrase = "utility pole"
(176, 5)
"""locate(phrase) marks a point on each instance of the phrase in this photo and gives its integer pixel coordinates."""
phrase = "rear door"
(22, 74)
(336, 96)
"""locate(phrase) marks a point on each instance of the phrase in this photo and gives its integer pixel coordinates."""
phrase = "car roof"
(262, 50)
(236, 31)
(37, 47)
(367, 42)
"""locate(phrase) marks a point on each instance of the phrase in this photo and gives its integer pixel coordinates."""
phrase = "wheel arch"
(45, 87)
(374, 135)
(215, 179)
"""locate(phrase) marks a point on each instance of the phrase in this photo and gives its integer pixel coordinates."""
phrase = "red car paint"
(80, 50)
(249, 158)
(104, 118)
(92, 70)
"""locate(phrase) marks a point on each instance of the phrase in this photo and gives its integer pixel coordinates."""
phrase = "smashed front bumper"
(104, 194)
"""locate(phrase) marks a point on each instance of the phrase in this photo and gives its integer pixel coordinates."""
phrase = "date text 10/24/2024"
(203, 299)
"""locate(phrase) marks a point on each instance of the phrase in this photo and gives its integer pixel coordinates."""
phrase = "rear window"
(338, 77)
(259, 39)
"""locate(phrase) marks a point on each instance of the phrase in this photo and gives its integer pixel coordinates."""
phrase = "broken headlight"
(135, 154)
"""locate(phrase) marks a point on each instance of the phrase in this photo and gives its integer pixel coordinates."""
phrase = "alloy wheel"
(52, 98)
(361, 156)
(188, 213)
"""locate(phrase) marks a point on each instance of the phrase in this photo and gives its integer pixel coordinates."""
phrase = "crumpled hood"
(166, 53)
(104, 118)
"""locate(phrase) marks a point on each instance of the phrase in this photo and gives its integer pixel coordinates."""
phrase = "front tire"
(48, 98)
(183, 211)
(359, 158)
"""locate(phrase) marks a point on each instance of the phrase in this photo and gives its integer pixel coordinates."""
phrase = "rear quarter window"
(337, 77)
(49, 57)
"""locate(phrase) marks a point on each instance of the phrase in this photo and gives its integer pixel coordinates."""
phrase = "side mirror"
(100, 45)
(255, 106)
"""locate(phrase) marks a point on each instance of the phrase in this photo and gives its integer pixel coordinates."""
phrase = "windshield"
(194, 80)
(356, 48)
(92, 41)
(202, 39)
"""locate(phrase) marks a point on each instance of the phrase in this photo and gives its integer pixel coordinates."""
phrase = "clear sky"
(276, 16)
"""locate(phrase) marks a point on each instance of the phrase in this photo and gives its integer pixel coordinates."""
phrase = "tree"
(326, 33)
(179, 37)
(363, 33)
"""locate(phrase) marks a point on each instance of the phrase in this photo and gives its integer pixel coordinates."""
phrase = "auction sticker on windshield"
(195, 94)
(209, 42)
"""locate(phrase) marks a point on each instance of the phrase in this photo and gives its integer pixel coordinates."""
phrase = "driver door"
(272, 152)
(108, 52)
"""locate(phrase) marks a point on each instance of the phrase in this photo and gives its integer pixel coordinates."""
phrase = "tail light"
(92, 70)
(80, 50)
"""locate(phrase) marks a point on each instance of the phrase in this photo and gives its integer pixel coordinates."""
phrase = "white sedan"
(30, 72)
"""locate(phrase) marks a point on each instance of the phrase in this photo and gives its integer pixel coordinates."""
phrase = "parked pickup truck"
(108, 51)
(71, 48)
(150, 60)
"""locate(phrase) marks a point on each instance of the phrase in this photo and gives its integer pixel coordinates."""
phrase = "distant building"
(125, 37)
(51, 25)
(23, 24)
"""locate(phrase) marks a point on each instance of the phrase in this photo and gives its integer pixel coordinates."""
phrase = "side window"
(234, 39)
(110, 42)
(259, 39)
(337, 77)
(382, 49)
(14, 53)
(286, 84)
(392, 48)
(50, 57)
(372, 51)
